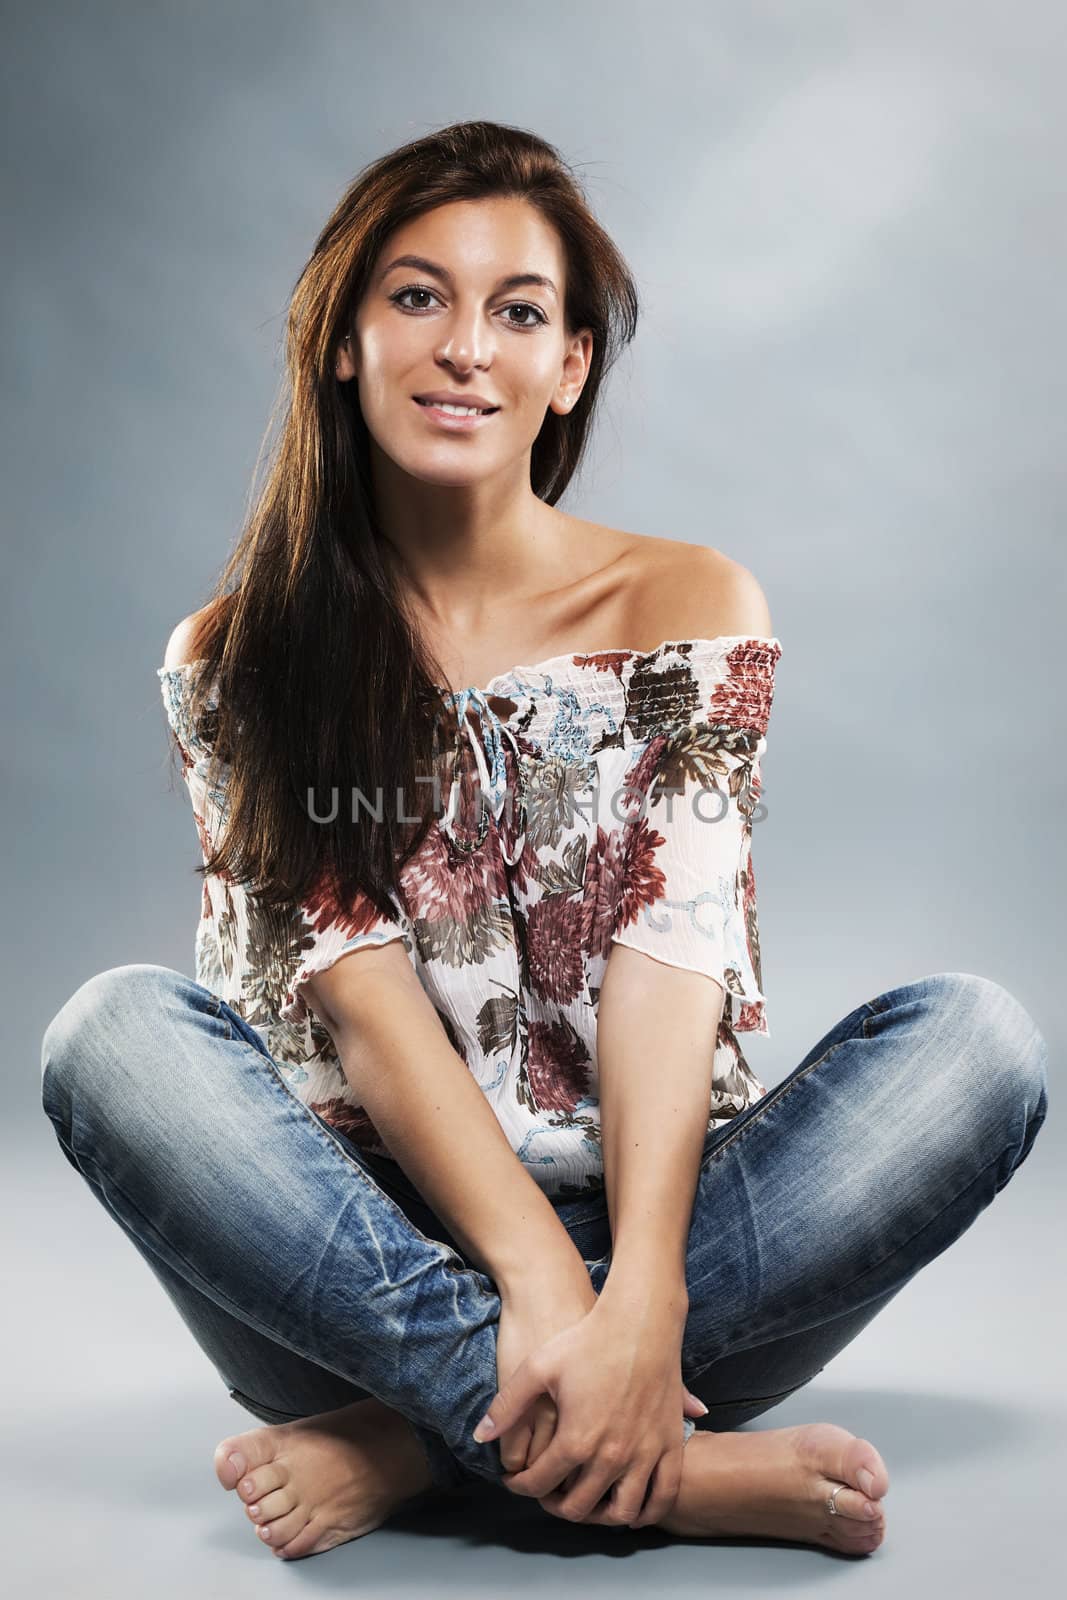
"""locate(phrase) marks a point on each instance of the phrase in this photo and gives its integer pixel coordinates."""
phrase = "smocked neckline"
(569, 660)
(592, 660)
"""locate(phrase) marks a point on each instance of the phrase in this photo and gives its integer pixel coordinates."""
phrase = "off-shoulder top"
(617, 796)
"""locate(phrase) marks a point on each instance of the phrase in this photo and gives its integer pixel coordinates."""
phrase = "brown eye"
(516, 305)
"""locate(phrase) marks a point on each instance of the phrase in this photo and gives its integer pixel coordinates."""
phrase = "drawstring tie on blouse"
(494, 784)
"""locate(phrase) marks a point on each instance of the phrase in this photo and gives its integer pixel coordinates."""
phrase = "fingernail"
(866, 1482)
(484, 1429)
(703, 1408)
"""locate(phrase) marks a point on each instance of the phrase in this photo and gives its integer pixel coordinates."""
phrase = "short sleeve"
(194, 744)
(330, 931)
(687, 887)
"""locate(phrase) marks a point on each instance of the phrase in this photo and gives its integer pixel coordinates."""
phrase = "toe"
(256, 1484)
(854, 1506)
(277, 1504)
(229, 1463)
(282, 1529)
(863, 1467)
(304, 1542)
(858, 1542)
(243, 1452)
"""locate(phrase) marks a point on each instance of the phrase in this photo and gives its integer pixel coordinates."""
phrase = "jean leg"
(756, 1380)
(182, 1124)
(817, 1204)
(268, 1380)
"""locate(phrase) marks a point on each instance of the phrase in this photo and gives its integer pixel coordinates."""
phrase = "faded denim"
(312, 1274)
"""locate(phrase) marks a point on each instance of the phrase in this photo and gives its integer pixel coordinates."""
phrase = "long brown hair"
(318, 681)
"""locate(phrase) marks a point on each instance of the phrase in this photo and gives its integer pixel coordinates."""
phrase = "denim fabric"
(312, 1274)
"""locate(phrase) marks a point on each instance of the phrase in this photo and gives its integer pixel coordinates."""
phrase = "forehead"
(478, 239)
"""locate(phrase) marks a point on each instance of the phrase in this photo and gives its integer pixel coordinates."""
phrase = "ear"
(575, 371)
(345, 366)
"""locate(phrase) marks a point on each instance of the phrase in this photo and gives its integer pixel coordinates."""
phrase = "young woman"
(453, 1119)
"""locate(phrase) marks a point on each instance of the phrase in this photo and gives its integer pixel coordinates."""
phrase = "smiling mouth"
(450, 411)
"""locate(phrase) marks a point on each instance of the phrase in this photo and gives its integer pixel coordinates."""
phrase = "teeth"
(456, 411)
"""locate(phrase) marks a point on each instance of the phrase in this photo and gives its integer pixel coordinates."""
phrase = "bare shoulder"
(184, 644)
(691, 591)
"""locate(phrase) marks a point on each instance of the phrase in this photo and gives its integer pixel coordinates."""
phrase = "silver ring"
(830, 1503)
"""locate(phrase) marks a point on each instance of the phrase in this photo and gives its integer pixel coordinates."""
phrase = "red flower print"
(604, 871)
(744, 699)
(557, 1066)
(603, 661)
(554, 945)
(322, 909)
(643, 772)
(435, 885)
(642, 882)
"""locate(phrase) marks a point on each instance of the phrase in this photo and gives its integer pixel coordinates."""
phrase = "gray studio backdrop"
(846, 222)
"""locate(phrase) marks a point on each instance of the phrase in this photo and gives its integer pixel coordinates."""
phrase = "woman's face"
(451, 324)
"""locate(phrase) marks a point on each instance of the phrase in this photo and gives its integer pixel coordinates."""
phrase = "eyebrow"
(517, 280)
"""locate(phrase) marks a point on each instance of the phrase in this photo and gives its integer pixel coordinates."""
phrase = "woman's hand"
(609, 1391)
(526, 1323)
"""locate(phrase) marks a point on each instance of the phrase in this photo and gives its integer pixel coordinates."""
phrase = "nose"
(466, 342)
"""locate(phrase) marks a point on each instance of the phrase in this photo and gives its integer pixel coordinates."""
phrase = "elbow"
(362, 987)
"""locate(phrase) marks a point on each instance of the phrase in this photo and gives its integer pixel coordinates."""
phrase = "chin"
(459, 477)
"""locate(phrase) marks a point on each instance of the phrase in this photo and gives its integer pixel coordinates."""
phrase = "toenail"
(237, 1462)
(248, 1486)
(872, 1511)
(264, 1533)
(866, 1481)
(253, 1511)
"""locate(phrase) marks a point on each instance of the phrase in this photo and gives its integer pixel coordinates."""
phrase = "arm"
(656, 1037)
(663, 992)
(417, 1090)
(438, 1124)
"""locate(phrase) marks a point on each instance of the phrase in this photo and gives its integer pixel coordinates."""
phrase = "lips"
(486, 411)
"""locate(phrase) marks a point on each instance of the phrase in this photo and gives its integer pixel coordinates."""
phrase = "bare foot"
(312, 1484)
(776, 1484)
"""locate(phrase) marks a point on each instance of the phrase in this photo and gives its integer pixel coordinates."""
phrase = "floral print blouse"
(616, 794)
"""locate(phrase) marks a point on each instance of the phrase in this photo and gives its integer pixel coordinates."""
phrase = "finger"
(548, 1471)
(628, 1494)
(510, 1404)
(546, 1420)
(601, 1513)
(515, 1446)
(543, 1420)
(605, 1513)
(693, 1407)
(580, 1500)
(663, 1488)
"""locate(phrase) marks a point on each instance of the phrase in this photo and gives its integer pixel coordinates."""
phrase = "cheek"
(386, 358)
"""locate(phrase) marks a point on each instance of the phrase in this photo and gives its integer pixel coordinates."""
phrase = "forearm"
(441, 1129)
(656, 1034)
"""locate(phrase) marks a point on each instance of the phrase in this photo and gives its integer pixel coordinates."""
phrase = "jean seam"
(198, 1281)
(778, 1093)
(305, 1114)
(754, 1399)
(195, 1277)
(911, 1237)
(904, 1243)
(887, 997)
(250, 1400)
(215, 1010)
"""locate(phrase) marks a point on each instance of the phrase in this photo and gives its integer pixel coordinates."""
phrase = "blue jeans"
(313, 1274)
